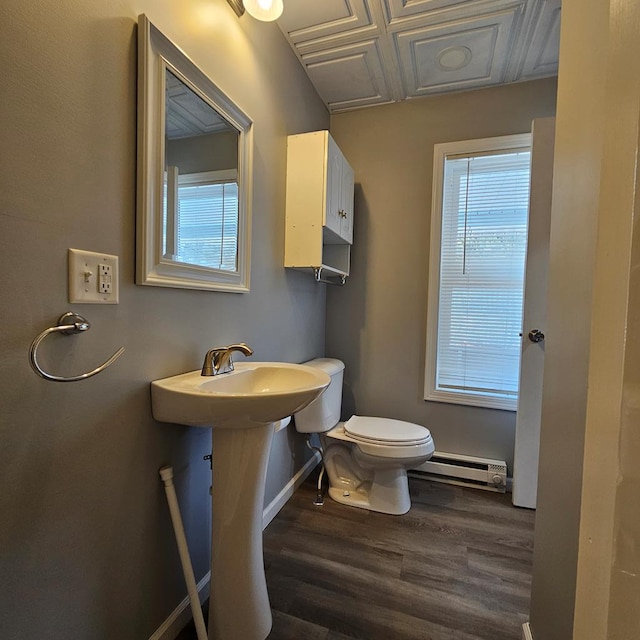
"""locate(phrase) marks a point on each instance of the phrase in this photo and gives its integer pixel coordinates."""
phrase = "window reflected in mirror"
(200, 203)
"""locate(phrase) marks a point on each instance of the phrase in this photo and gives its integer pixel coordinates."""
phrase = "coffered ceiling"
(187, 114)
(361, 53)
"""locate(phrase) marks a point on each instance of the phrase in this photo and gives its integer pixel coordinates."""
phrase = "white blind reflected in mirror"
(483, 250)
(201, 224)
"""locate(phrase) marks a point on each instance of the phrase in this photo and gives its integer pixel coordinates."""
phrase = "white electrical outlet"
(93, 277)
(104, 278)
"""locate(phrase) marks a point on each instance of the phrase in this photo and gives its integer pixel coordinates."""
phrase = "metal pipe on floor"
(319, 501)
(166, 473)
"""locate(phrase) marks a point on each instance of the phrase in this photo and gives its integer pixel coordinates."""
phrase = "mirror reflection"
(200, 196)
(195, 170)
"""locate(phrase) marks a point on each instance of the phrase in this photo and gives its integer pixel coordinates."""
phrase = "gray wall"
(376, 323)
(212, 152)
(86, 545)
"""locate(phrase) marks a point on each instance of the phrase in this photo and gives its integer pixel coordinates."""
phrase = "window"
(203, 229)
(477, 265)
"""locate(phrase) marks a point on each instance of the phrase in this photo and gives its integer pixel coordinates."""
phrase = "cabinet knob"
(342, 213)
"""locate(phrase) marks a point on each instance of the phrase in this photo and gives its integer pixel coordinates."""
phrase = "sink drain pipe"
(166, 473)
(319, 501)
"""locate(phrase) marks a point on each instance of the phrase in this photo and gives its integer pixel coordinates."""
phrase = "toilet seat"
(385, 431)
(410, 441)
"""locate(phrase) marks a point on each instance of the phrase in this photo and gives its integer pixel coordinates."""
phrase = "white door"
(525, 464)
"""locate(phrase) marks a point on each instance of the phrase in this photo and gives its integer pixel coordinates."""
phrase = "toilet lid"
(386, 431)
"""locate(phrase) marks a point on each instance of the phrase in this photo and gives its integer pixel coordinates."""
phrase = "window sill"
(472, 400)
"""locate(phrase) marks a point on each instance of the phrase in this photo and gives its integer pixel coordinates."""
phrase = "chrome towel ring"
(68, 324)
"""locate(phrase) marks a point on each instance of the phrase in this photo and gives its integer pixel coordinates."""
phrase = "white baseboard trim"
(526, 632)
(271, 510)
(181, 615)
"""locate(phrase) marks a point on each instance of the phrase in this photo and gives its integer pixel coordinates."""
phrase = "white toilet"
(366, 458)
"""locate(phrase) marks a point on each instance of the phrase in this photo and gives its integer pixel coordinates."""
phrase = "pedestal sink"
(240, 407)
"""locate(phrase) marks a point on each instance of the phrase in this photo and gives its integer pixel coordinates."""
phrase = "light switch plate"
(93, 277)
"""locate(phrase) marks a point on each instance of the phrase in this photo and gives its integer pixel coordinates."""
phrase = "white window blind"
(205, 232)
(482, 251)
(207, 229)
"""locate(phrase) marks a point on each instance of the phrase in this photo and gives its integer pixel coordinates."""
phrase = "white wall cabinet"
(319, 209)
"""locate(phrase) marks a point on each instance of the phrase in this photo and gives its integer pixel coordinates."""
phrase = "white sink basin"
(255, 394)
(241, 407)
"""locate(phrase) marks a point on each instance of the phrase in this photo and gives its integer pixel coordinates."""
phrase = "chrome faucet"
(218, 361)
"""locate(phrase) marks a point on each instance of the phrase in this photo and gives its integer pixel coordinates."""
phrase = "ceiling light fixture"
(237, 6)
(265, 10)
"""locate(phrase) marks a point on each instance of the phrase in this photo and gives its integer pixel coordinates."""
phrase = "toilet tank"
(324, 412)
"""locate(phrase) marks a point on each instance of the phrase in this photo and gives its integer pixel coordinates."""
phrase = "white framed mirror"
(193, 221)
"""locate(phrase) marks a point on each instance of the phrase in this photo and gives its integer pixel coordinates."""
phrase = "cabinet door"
(346, 202)
(333, 218)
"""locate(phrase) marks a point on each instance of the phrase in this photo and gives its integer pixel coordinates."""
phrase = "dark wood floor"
(456, 567)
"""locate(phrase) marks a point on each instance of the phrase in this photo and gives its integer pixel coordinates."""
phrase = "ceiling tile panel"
(403, 14)
(349, 76)
(188, 114)
(305, 21)
(365, 52)
(472, 53)
(541, 57)
(398, 9)
(462, 55)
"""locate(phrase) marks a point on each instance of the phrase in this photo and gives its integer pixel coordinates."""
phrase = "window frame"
(206, 178)
(171, 209)
(441, 152)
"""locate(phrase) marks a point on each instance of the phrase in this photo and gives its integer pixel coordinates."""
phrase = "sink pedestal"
(240, 408)
(239, 604)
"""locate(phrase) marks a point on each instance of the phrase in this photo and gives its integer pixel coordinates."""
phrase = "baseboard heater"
(468, 471)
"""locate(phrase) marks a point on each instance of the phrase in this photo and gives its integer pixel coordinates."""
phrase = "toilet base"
(387, 492)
